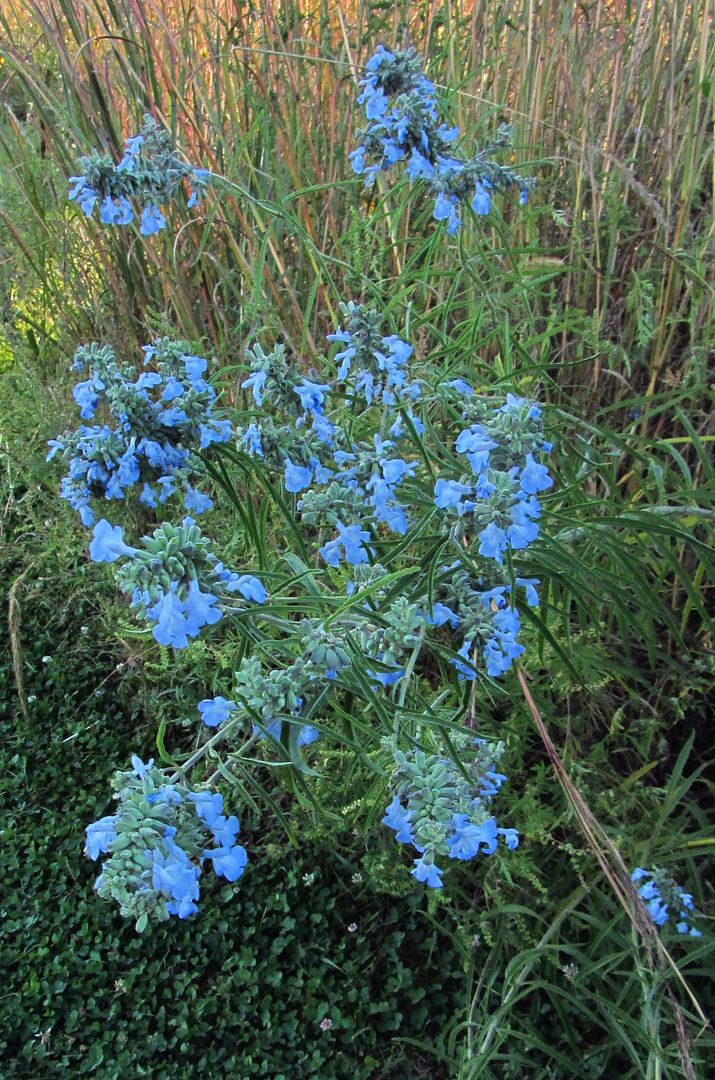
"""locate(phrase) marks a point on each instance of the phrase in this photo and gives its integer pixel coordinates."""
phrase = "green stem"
(209, 745)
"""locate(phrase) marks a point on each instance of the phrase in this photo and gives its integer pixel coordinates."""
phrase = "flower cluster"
(365, 479)
(386, 638)
(444, 810)
(359, 474)
(495, 502)
(353, 486)
(663, 898)
(483, 615)
(373, 365)
(150, 172)
(174, 578)
(272, 695)
(156, 423)
(278, 695)
(294, 435)
(404, 125)
(496, 499)
(157, 843)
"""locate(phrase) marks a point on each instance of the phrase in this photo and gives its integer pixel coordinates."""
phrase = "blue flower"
(100, 835)
(167, 486)
(171, 623)
(386, 678)
(132, 147)
(658, 911)
(215, 710)
(183, 908)
(357, 159)
(200, 176)
(490, 783)
(86, 397)
(173, 388)
(218, 431)
(312, 395)
(322, 473)
(352, 539)
(195, 368)
(394, 517)
(166, 794)
(524, 528)
(252, 440)
(140, 768)
(529, 586)
(255, 382)
(377, 104)
(534, 477)
(476, 444)
(229, 862)
(419, 166)
(152, 220)
(440, 615)
(503, 647)
(108, 543)
(380, 57)
(116, 211)
(297, 477)
(85, 195)
(196, 500)
(492, 542)
(427, 872)
(225, 830)
(324, 430)
(208, 805)
(394, 470)
(249, 587)
(199, 609)
(446, 208)
(400, 351)
(398, 817)
(461, 386)
(511, 838)
(173, 874)
(481, 203)
(172, 417)
(469, 839)
(465, 669)
(449, 493)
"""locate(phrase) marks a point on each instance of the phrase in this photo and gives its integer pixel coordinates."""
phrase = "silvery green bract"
(158, 842)
(175, 580)
(443, 810)
(150, 172)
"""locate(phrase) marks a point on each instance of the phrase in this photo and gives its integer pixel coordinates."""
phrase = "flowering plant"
(406, 499)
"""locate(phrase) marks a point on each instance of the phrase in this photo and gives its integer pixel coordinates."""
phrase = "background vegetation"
(597, 298)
